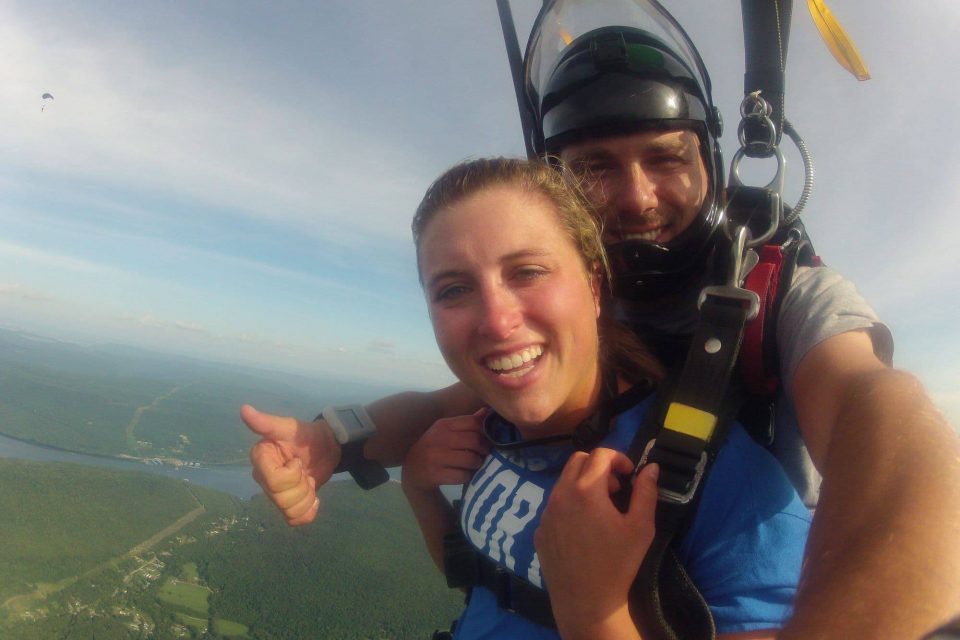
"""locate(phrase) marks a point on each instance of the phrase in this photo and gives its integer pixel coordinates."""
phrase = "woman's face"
(513, 309)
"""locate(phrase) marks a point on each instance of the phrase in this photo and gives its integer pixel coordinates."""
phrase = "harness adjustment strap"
(680, 474)
(466, 568)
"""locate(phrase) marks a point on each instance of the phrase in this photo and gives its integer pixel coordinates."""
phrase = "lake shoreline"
(168, 461)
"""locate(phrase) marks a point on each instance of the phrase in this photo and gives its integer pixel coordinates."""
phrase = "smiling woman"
(511, 302)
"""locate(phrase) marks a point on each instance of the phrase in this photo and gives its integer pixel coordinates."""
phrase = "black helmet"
(588, 75)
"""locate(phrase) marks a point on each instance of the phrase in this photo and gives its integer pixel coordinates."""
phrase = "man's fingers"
(296, 499)
(268, 426)
(271, 471)
(306, 517)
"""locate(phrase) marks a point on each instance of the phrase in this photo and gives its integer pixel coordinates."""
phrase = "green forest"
(110, 402)
(118, 556)
(62, 519)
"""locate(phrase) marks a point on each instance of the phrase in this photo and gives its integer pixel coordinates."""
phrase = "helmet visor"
(561, 22)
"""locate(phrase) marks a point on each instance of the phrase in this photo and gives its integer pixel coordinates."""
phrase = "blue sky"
(235, 180)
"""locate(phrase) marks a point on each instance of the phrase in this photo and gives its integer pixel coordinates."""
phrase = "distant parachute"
(45, 97)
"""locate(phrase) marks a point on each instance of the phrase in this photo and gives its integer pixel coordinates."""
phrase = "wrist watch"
(351, 426)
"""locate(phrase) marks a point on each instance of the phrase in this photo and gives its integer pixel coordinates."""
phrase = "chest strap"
(465, 567)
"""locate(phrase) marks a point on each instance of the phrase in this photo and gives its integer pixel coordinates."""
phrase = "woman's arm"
(447, 454)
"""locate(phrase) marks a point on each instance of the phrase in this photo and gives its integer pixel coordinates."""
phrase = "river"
(232, 479)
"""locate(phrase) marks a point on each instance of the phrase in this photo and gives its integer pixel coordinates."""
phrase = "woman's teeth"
(508, 364)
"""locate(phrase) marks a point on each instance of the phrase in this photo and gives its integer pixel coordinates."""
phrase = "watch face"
(350, 420)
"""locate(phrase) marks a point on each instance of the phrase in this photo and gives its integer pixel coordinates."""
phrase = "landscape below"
(93, 551)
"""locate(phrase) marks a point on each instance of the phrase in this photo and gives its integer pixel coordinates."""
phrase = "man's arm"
(882, 559)
(294, 458)
(402, 418)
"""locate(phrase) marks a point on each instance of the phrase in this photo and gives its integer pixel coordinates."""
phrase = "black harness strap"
(465, 567)
(684, 440)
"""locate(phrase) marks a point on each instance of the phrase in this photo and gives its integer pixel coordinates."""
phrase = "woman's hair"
(620, 349)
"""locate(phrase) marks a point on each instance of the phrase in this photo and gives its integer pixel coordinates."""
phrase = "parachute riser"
(515, 60)
(752, 214)
(757, 208)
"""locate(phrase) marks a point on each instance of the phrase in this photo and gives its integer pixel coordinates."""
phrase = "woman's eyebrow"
(445, 274)
(508, 257)
(524, 253)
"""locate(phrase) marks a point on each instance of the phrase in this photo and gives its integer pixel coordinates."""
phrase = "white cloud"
(22, 293)
(124, 115)
(382, 346)
(148, 320)
(59, 261)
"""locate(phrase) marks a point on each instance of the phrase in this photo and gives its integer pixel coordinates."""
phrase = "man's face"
(649, 186)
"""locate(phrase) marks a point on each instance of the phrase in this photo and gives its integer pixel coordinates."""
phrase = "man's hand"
(291, 460)
(589, 550)
(448, 453)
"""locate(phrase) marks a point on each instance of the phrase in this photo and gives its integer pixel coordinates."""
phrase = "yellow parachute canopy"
(837, 40)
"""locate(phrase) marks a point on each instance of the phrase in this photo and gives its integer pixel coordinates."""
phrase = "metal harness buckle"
(733, 293)
(676, 497)
(741, 263)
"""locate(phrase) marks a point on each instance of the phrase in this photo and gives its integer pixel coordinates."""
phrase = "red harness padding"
(759, 364)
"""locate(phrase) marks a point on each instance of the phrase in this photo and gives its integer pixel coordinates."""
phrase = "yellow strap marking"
(690, 421)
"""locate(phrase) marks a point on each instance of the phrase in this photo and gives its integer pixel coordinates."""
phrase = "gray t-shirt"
(819, 304)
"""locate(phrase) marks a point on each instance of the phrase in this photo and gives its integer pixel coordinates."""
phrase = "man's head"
(650, 186)
(633, 114)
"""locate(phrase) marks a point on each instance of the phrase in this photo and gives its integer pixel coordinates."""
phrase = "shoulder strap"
(770, 279)
(683, 436)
